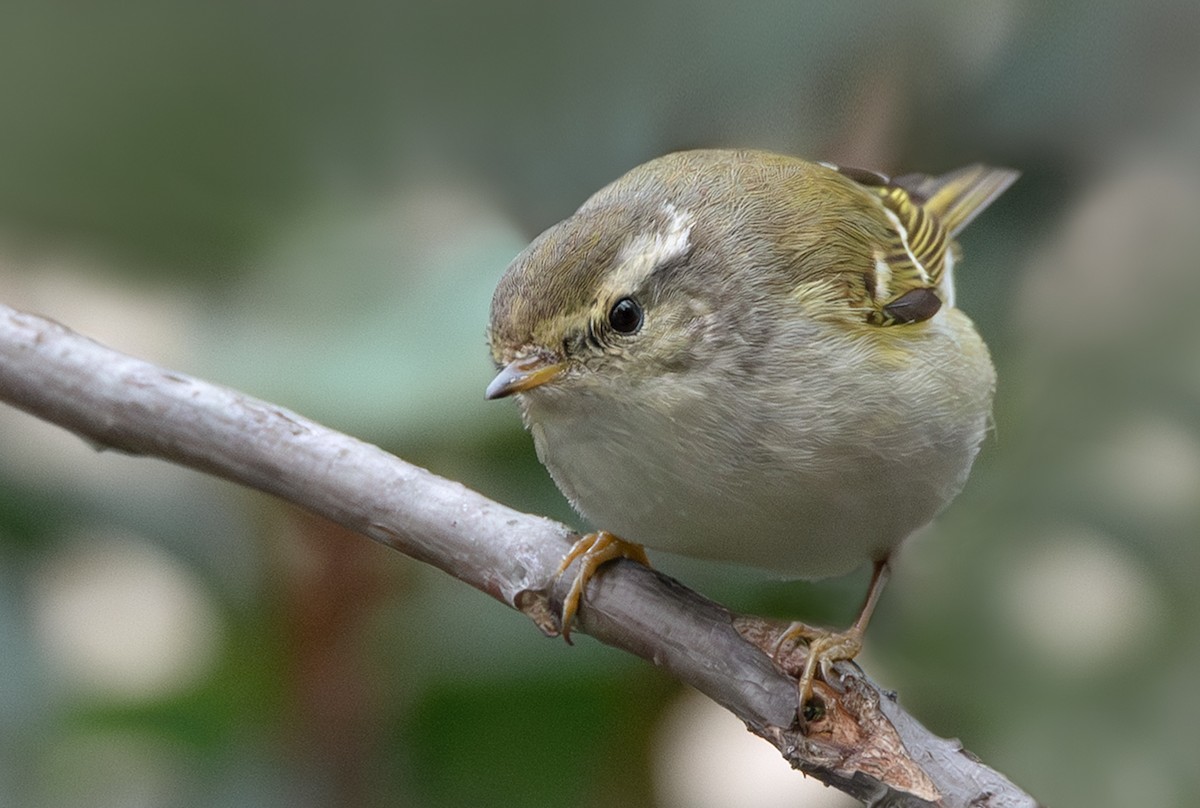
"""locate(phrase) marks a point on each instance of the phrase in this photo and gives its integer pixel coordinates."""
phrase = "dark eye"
(625, 316)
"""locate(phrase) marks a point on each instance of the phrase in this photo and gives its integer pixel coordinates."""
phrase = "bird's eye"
(625, 316)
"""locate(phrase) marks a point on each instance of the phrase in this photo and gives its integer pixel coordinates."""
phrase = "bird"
(752, 358)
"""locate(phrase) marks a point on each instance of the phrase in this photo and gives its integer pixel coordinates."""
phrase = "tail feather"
(958, 197)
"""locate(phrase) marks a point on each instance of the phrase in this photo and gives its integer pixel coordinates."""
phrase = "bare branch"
(865, 744)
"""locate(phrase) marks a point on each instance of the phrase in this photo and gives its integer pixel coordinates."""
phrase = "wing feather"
(924, 213)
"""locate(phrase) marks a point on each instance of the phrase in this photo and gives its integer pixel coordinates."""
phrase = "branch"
(865, 744)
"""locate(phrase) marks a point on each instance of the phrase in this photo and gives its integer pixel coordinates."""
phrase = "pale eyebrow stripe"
(645, 252)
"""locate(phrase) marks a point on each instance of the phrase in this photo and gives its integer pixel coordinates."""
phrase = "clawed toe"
(827, 647)
(595, 550)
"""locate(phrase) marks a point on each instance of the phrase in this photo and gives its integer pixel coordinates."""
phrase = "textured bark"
(864, 744)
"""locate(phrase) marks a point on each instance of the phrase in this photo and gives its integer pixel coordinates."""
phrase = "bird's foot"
(824, 649)
(595, 550)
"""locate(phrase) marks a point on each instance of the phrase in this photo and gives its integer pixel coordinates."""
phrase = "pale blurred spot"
(111, 769)
(1121, 259)
(704, 757)
(157, 324)
(372, 315)
(153, 324)
(1079, 604)
(118, 617)
(1152, 467)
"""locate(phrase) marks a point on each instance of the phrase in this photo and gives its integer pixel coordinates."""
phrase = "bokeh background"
(312, 202)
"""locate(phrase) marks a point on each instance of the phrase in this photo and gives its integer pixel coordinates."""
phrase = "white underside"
(807, 482)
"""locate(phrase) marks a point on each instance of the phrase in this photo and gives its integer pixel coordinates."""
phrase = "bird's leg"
(595, 549)
(827, 647)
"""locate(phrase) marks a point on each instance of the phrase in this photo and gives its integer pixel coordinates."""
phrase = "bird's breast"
(774, 476)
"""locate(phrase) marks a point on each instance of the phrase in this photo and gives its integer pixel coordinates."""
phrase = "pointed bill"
(522, 374)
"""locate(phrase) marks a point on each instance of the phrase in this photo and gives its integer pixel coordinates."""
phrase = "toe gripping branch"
(825, 647)
(593, 550)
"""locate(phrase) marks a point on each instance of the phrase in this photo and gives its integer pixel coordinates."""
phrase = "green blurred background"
(313, 201)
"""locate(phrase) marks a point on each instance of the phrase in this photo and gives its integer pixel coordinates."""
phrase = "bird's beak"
(522, 374)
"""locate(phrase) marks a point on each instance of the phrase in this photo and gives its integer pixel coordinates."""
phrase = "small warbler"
(748, 357)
